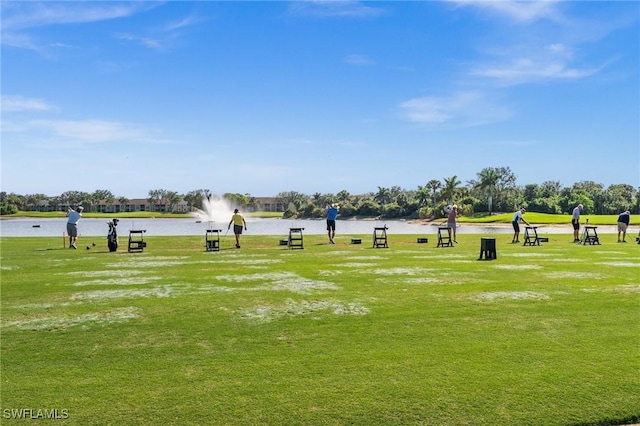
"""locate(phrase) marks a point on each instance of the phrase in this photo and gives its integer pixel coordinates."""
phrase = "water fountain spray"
(214, 209)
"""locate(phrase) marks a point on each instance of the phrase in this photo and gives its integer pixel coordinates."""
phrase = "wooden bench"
(380, 237)
(212, 240)
(590, 236)
(444, 237)
(295, 238)
(136, 241)
(531, 236)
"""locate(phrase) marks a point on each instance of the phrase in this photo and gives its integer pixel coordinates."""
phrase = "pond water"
(28, 227)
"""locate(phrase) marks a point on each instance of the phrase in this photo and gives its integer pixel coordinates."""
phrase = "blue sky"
(316, 96)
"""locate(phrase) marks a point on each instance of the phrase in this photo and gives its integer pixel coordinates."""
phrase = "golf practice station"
(320, 213)
(393, 329)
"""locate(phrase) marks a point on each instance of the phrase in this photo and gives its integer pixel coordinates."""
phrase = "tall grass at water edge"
(331, 334)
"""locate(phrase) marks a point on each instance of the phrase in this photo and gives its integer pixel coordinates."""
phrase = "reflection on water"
(25, 227)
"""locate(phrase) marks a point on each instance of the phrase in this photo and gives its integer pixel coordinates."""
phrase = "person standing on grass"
(517, 218)
(73, 217)
(623, 223)
(575, 222)
(452, 215)
(332, 214)
(238, 223)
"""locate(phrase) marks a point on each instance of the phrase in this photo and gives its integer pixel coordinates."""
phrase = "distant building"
(138, 205)
(266, 204)
(269, 204)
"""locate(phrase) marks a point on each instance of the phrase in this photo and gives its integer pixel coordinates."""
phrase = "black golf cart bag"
(112, 237)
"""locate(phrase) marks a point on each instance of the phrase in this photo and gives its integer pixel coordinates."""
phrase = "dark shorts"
(516, 226)
(72, 229)
(576, 224)
(331, 225)
(237, 229)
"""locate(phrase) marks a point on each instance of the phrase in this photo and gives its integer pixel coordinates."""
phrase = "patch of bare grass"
(280, 281)
(98, 295)
(509, 295)
(401, 271)
(356, 265)
(118, 281)
(62, 322)
(529, 255)
(305, 308)
(620, 264)
(517, 267)
(573, 275)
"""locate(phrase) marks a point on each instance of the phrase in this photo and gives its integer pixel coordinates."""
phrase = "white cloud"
(20, 103)
(560, 49)
(181, 23)
(19, 17)
(539, 51)
(531, 64)
(163, 36)
(334, 8)
(93, 131)
(519, 11)
(525, 70)
(460, 109)
(356, 59)
(144, 41)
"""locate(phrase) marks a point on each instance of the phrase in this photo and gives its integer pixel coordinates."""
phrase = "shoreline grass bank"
(481, 218)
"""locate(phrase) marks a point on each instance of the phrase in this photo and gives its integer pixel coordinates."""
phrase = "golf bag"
(112, 237)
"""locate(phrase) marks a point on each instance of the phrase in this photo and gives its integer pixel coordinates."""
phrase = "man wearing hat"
(332, 214)
(238, 223)
(575, 222)
(73, 217)
(517, 218)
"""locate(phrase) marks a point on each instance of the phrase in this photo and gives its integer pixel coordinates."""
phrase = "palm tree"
(173, 198)
(292, 199)
(123, 202)
(488, 181)
(450, 188)
(154, 198)
(434, 185)
(343, 197)
(422, 195)
(383, 196)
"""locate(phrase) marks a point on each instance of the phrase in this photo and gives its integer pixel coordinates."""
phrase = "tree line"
(493, 190)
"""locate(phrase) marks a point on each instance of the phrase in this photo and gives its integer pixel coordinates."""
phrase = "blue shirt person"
(332, 213)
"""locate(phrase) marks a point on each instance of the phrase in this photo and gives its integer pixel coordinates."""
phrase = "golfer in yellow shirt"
(238, 223)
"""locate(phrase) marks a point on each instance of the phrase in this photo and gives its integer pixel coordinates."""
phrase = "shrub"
(8, 209)
(289, 214)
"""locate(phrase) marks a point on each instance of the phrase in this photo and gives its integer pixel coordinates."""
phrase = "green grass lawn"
(329, 335)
